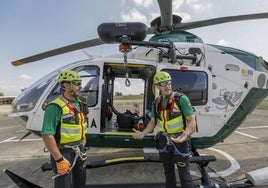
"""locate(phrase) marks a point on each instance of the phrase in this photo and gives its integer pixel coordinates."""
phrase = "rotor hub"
(156, 23)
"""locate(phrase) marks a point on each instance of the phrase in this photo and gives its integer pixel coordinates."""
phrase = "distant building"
(6, 99)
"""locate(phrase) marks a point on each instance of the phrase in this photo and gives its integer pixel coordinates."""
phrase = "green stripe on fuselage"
(249, 104)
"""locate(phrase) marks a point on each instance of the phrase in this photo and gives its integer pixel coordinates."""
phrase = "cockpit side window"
(193, 83)
(90, 86)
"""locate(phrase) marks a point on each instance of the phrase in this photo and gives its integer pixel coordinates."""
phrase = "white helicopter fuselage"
(230, 90)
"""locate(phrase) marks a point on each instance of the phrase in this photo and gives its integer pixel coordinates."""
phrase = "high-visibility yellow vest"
(73, 122)
(170, 120)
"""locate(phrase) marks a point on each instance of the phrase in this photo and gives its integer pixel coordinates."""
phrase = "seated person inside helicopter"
(131, 119)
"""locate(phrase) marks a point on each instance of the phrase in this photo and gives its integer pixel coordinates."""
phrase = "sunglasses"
(163, 84)
(77, 83)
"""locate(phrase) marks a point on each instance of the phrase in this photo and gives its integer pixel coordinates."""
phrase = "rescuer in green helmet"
(64, 133)
(173, 117)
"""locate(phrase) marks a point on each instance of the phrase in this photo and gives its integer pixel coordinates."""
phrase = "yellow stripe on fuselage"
(118, 133)
(124, 159)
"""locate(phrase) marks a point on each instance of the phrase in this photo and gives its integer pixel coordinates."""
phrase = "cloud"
(177, 7)
(176, 4)
(141, 11)
(197, 5)
(14, 86)
(143, 3)
(133, 15)
(10, 88)
(185, 9)
(25, 77)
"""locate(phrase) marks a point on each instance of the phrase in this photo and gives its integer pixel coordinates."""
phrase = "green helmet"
(161, 77)
(68, 76)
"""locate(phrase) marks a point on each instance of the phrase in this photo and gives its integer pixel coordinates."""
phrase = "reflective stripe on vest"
(73, 124)
(169, 124)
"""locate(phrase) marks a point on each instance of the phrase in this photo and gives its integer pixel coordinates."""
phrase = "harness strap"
(78, 152)
(169, 142)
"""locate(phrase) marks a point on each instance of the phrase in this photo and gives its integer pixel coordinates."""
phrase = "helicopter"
(224, 84)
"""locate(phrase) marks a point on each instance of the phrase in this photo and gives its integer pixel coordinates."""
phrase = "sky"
(29, 27)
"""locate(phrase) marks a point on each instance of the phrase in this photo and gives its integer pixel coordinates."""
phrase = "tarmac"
(245, 150)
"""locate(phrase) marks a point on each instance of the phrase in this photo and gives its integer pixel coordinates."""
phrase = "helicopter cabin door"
(90, 94)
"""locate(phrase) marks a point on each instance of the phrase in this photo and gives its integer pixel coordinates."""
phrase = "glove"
(63, 166)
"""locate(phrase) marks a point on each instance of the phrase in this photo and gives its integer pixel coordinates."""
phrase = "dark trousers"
(77, 177)
(168, 157)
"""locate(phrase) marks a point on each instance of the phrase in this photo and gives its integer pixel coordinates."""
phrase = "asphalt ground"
(245, 150)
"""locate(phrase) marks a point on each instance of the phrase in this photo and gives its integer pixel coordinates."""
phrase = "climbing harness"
(168, 143)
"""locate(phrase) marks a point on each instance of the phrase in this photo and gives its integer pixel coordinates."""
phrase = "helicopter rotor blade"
(165, 21)
(220, 20)
(166, 13)
(58, 51)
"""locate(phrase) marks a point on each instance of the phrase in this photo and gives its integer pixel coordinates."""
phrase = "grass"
(5, 106)
(263, 105)
(128, 99)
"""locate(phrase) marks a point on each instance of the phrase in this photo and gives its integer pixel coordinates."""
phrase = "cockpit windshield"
(29, 97)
